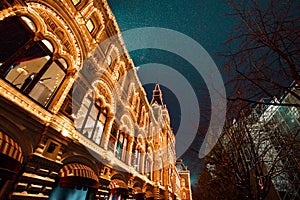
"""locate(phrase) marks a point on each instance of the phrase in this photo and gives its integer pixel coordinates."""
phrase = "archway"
(11, 157)
(118, 188)
(76, 181)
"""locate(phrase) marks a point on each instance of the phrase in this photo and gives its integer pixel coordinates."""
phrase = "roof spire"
(157, 95)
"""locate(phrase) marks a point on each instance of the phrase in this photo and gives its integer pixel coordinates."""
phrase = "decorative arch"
(138, 189)
(17, 135)
(78, 158)
(11, 149)
(127, 123)
(79, 175)
(18, 10)
(104, 96)
(55, 26)
(148, 189)
(42, 15)
(119, 176)
(137, 182)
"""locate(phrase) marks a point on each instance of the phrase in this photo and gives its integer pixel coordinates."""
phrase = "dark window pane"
(13, 35)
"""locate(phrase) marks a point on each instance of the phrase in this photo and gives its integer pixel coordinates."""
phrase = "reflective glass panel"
(48, 84)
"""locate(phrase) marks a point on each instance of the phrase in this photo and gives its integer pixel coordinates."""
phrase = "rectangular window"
(120, 145)
(137, 161)
(75, 2)
(98, 132)
(48, 84)
(90, 25)
(111, 143)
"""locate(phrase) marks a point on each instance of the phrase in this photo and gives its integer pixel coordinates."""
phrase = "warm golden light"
(64, 132)
(23, 70)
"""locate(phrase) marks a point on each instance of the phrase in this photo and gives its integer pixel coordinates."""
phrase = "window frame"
(24, 48)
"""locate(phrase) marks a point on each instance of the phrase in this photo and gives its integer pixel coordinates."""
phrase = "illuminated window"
(51, 149)
(120, 145)
(75, 2)
(90, 25)
(28, 65)
(91, 120)
(29, 23)
(48, 84)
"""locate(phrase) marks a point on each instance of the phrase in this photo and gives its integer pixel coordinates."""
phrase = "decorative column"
(129, 149)
(156, 192)
(142, 162)
(63, 91)
(107, 129)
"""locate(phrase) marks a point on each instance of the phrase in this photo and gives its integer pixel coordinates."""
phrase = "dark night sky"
(203, 20)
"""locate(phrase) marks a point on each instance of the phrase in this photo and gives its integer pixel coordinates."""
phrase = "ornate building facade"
(185, 180)
(75, 122)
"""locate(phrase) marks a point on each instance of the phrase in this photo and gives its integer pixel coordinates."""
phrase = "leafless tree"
(255, 157)
(264, 50)
(258, 155)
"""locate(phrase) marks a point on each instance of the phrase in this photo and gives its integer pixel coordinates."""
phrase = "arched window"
(26, 64)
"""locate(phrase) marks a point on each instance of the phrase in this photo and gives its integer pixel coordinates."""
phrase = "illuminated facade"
(185, 180)
(75, 122)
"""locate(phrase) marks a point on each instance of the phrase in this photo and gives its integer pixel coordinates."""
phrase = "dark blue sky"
(203, 20)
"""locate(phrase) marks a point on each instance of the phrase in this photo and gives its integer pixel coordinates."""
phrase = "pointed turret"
(157, 95)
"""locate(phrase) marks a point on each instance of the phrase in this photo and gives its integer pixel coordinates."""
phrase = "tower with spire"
(157, 95)
(159, 108)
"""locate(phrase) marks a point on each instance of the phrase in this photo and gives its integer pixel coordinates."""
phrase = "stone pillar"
(156, 193)
(116, 142)
(129, 149)
(107, 130)
(167, 194)
(142, 162)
